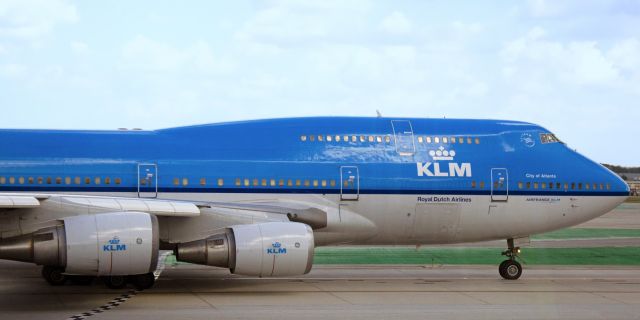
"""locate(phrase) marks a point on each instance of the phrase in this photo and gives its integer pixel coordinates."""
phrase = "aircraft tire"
(143, 281)
(512, 270)
(115, 282)
(54, 275)
(501, 268)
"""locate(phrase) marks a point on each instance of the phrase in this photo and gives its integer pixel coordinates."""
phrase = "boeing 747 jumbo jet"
(258, 196)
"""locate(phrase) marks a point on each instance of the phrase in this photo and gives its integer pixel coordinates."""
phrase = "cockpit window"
(549, 138)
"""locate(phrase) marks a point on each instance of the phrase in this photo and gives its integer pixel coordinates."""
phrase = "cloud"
(574, 63)
(79, 48)
(396, 23)
(32, 19)
(13, 70)
(151, 55)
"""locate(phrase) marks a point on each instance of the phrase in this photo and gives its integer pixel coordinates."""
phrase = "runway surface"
(348, 292)
(186, 291)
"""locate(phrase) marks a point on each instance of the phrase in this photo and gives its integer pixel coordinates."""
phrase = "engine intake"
(264, 249)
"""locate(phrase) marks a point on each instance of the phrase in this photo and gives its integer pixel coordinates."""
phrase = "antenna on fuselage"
(378, 113)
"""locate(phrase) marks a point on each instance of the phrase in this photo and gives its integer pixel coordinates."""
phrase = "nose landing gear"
(510, 269)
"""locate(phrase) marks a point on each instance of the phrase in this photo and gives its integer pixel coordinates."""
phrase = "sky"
(570, 66)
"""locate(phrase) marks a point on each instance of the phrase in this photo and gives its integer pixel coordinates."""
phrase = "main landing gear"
(55, 276)
(510, 269)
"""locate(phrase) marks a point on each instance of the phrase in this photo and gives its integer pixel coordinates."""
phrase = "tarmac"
(185, 291)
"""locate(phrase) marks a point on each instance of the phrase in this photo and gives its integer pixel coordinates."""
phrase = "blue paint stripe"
(303, 191)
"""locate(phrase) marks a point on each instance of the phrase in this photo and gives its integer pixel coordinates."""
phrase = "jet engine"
(113, 244)
(264, 249)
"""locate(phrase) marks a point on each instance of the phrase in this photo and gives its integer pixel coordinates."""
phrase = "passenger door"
(147, 180)
(349, 183)
(499, 185)
(403, 134)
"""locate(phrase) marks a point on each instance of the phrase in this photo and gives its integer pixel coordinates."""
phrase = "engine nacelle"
(264, 249)
(118, 243)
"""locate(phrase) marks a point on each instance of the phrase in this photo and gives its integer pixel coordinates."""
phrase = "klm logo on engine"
(439, 169)
(114, 245)
(276, 248)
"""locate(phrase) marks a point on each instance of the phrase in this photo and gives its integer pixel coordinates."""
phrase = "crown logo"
(115, 240)
(442, 154)
(276, 245)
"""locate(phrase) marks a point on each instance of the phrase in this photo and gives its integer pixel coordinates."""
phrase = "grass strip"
(531, 256)
(584, 233)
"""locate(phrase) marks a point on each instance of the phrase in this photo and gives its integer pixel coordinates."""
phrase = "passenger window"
(445, 140)
(107, 180)
(587, 186)
(329, 138)
(481, 184)
(303, 138)
(519, 185)
(469, 140)
(580, 186)
(477, 140)
(370, 138)
(77, 180)
(420, 139)
(436, 139)
(176, 181)
(558, 185)
(354, 138)
(387, 139)
(238, 182)
(337, 138)
(297, 183)
(264, 182)
(332, 183)
(315, 183)
(58, 180)
(379, 139)
(601, 186)
(566, 186)
(289, 183)
(453, 139)
(608, 186)
(12, 180)
(220, 182)
(320, 138)
(543, 185)
(473, 184)
(281, 183)
(306, 183)
(67, 180)
(324, 183)
(362, 139)
(30, 180)
(346, 138)
(203, 181)
(247, 182)
(97, 180)
(312, 138)
(48, 180)
(573, 185)
(550, 185)
(535, 185)
(21, 180)
(461, 140)
(272, 182)
(528, 185)
(428, 139)
(3, 180)
(118, 181)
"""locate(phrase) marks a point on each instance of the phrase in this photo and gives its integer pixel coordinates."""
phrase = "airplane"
(258, 196)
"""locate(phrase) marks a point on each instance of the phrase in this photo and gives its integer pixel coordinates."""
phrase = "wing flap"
(17, 201)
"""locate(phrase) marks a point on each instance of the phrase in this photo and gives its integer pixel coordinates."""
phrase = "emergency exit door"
(499, 184)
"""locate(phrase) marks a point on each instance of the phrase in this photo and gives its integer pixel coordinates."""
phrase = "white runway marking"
(123, 297)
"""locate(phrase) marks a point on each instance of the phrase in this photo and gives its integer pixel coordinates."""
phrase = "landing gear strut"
(510, 269)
